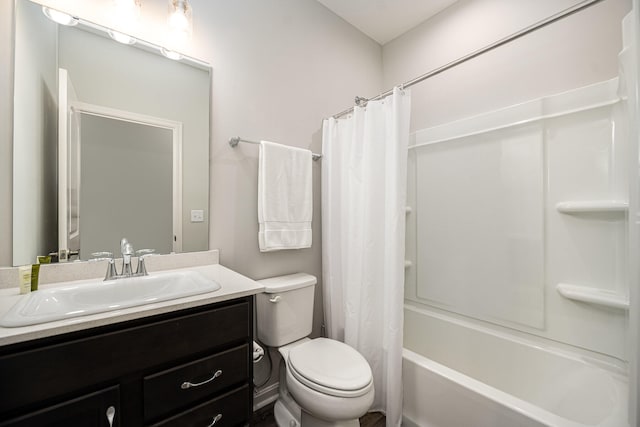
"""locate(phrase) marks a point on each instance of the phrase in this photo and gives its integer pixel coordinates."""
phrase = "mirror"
(123, 130)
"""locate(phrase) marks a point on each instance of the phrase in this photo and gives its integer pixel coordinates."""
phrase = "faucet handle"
(101, 256)
(141, 270)
(112, 273)
(145, 252)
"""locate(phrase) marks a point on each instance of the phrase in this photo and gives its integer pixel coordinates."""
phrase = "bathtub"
(460, 374)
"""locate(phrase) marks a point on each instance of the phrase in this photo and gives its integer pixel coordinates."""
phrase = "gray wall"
(280, 67)
(574, 52)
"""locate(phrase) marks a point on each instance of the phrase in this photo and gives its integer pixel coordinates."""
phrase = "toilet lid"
(330, 365)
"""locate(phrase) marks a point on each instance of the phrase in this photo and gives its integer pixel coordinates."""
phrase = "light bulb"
(126, 12)
(60, 17)
(180, 22)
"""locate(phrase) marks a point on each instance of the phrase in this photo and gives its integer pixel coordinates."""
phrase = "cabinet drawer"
(177, 388)
(87, 411)
(228, 410)
(83, 362)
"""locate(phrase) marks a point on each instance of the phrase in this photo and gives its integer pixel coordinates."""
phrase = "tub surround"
(234, 286)
(569, 150)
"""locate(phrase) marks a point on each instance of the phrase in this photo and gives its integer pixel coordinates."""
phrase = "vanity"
(182, 362)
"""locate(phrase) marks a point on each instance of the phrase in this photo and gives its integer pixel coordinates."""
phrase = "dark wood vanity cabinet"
(191, 367)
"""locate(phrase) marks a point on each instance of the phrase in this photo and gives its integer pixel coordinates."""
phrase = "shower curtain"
(364, 175)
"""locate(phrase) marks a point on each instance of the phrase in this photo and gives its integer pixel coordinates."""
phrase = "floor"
(264, 418)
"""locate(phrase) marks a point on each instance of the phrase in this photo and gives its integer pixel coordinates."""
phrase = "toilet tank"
(285, 309)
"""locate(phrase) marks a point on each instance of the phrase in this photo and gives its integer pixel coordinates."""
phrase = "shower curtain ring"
(359, 100)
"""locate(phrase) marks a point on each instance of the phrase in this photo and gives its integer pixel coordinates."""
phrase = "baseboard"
(265, 396)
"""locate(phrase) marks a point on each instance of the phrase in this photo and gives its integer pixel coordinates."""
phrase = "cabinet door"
(99, 409)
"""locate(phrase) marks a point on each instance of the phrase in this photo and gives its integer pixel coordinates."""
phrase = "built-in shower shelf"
(593, 296)
(593, 206)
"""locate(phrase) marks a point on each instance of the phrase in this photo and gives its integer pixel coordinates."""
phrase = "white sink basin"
(83, 298)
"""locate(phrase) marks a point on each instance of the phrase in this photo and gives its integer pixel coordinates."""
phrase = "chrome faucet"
(126, 249)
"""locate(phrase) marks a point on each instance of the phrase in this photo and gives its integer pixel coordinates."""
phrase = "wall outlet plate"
(197, 215)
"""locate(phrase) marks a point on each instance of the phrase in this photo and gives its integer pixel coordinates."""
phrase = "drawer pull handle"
(185, 385)
(215, 420)
(111, 413)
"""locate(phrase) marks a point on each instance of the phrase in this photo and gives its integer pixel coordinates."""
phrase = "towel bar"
(236, 140)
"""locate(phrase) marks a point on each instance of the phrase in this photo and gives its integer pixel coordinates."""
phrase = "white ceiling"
(384, 20)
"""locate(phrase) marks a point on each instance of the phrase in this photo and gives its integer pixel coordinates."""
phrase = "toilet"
(324, 382)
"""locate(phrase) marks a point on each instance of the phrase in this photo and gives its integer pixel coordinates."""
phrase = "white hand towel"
(285, 199)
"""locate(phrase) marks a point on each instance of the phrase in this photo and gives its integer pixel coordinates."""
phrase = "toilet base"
(308, 420)
(286, 412)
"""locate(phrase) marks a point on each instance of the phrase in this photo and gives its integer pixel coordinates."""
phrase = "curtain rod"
(234, 141)
(538, 25)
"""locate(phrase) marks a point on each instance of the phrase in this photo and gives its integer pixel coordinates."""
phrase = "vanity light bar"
(142, 44)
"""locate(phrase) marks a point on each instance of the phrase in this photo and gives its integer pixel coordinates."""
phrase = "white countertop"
(234, 285)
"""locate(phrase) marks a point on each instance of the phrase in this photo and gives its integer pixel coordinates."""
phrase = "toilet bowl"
(326, 383)
(331, 381)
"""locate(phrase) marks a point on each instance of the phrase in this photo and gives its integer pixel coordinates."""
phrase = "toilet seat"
(330, 367)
